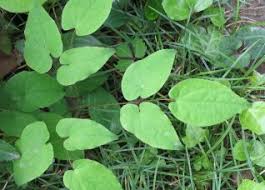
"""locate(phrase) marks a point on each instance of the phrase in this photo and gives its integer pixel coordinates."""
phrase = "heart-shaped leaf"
(86, 16)
(51, 120)
(42, 39)
(80, 63)
(19, 6)
(254, 118)
(7, 152)
(13, 122)
(36, 157)
(200, 102)
(83, 134)
(136, 82)
(148, 123)
(90, 175)
(29, 91)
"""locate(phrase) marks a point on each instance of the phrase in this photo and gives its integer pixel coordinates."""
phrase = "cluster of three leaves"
(43, 38)
(37, 154)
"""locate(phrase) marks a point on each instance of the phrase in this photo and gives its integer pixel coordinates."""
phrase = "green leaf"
(24, 87)
(83, 134)
(60, 152)
(39, 41)
(13, 122)
(254, 118)
(149, 13)
(241, 149)
(136, 82)
(249, 184)
(90, 175)
(85, 16)
(36, 157)
(177, 10)
(202, 5)
(194, 136)
(79, 63)
(19, 6)
(257, 154)
(104, 109)
(217, 15)
(149, 124)
(202, 103)
(7, 152)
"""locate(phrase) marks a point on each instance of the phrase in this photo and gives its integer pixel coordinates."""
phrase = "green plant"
(60, 71)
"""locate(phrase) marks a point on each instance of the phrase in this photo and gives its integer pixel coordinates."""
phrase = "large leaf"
(249, 184)
(146, 77)
(200, 102)
(60, 152)
(148, 123)
(83, 134)
(42, 39)
(13, 122)
(29, 91)
(19, 6)
(104, 108)
(90, 175)
(36, 157)
(254, 118)
(7, 152)
(86, 16)
(80, 63)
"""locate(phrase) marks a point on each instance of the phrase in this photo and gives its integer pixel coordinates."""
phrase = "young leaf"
(148, 123)
(136, 82)
(104, 109)
(83, 134)
(13, 122)
(202, 5)
(89, 174)
(193, 138)
(217, 15)
(29, 91)
(7, 152)
(85, 16)
(60, 152)
(42, 39)
(241, 149)
(149, 13)
(80, 63)
(177, 10)
(19, 6)
(254, 118)
(202, 103)
(249, 184)
(36, 157)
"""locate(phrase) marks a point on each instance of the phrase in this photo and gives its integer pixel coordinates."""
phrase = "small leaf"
(19, 6)
(36, 157)
(7, 152)
(39, 42)
(76, 15)
(104, 109)
(217, 15)
(29, 91)
(90, 175)
(193, 138)
(60, 152)
(177, 10)
(149, 124)
(202, 103)
(136, 82)
(13, 122)
(249, 184)
(79, 63)
(83, 134)
(241, 149)
(202, 5)
(257, 154)
(254, 118)
(149, 13)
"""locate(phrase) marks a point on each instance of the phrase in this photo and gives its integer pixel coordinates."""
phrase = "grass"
(138, 166)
